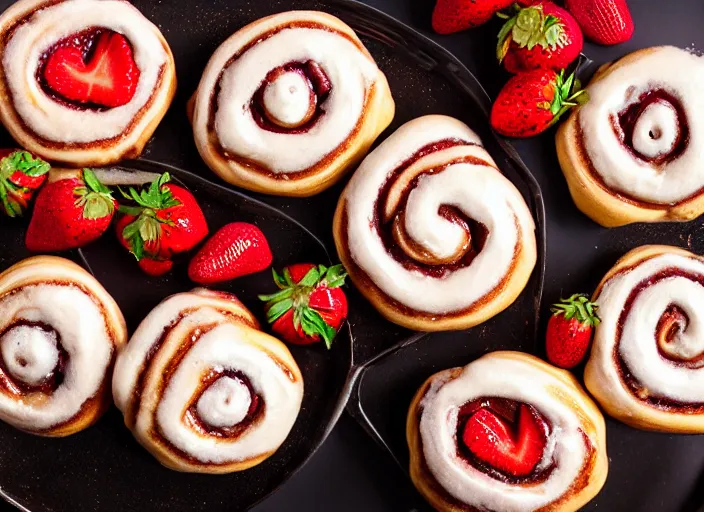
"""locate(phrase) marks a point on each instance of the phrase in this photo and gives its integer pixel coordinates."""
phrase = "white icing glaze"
(638, 346)
(287, 98)
(350, 71)
(52, 120)
(515, 380)
(681, 74)
(81, 327)
(224, 344)
(656, 131)
(480, 191)
(29, 353)
(225, 403)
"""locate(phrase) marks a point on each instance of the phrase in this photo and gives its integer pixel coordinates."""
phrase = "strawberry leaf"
(335, 276)
(579, 307)
(275, 297)
(24, 162)
(94, 183)
(278, 309)
(279, 279)
(94, 198)
(313, 324)
(311, 278)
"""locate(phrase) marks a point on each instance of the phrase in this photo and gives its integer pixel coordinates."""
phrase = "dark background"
(350, 472)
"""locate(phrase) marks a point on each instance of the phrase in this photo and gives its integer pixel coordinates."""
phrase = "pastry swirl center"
(30, 353)
(225, 403)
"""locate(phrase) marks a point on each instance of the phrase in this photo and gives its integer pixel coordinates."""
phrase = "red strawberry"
(570, 331)
(106, 74)
(455, 15)
(540, 36)
(236, 250)
(164, 221)
(21, 174)
(493, 442)
(309, 305)
(70, 212)
(603, 21)
(531, 102)
(155, 267)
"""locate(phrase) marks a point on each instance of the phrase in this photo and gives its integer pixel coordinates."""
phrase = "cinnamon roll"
(83, 82)
(646, 366)
(59, 331)
(289, 103)
(203, 389)
(431, 232)
(633, 152)
(506, 433)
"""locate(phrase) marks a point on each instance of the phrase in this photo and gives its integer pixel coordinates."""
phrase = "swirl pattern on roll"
(571, 469)
(288, 103)
(203, 389)
(647, 362)
(431, 231)
(640, 128)
(59, 330)
(43, 121)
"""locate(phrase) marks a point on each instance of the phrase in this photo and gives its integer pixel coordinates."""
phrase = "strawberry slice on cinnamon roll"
(289, 103)
(647, 362)
(83, 82)
(59, 332)
(203, 389)
(633, 153)
(507, 433)
(431, 232)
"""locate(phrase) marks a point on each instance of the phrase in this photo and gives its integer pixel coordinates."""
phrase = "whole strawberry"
(21, 175)
(309, 306)
(531, 102)
(70, 212)
(452, 16)
(164, 220)
(570, 331)
(603, 21)
(235, 250)
(542, 35)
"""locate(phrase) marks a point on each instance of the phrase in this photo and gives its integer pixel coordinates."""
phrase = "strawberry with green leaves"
(570, 330)
(70, 212)
(21, 175)
(162, 220)
(532, 102)
(310, 304)
(540, 36)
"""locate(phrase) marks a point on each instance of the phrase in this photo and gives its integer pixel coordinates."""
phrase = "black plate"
(104, 468)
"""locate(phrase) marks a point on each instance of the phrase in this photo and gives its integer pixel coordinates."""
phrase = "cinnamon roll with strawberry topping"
(647, 362)
(289, 103)
(83, 82)
(203, 389)
(431, 232)
(633, 152)
(59, 332)
(507, 433)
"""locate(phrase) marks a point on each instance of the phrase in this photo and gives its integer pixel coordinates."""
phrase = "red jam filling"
(628, 118)
(255, 411)
(504, 439)
(318, 84)
(90, 70)
(52, 381)
(477, 232)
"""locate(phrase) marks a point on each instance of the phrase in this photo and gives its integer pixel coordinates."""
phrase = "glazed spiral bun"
(203, 389)
(59, 331)
(83, 82)
(289, 103)
(431, 232)
(507, 432)
(633, 153)
(646, 367)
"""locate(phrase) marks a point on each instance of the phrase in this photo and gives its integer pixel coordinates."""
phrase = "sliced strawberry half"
(105, 75)
(491, 440)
